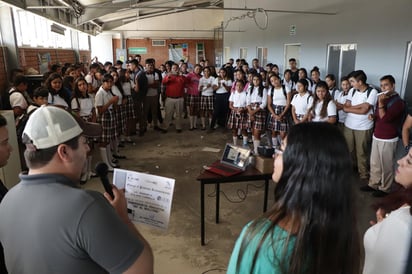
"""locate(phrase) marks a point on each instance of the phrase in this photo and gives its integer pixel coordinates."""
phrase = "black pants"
(220, 110)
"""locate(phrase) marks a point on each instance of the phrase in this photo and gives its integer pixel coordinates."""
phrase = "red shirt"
(175, 85)
(387, 126)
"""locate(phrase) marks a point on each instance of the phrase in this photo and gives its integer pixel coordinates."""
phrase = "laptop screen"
(235, 156)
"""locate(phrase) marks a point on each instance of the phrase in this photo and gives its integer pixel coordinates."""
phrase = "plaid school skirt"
(260, 119)
(193, 102)
(207, 102)
(129, 108)
(237, 120)
(108, 126)
(278, 125)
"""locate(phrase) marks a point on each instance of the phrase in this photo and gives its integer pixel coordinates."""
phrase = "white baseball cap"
(49, 126)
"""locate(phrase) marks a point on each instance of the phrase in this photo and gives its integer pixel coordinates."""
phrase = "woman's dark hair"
(304, 71)
(122, 76)
(67, 81)
(314, 196)
(118, 84)
(62, 93)
(326, 100)
(315, 68)
(304, 82)
(41, 92)
(331, 77)
(77, 93)
(261, 87)
(37, 158)
(3, 121)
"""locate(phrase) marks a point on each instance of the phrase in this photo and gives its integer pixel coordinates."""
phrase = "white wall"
(102, 47)
(380, 28)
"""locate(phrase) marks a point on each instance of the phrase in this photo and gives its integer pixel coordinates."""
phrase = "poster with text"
(149, 197)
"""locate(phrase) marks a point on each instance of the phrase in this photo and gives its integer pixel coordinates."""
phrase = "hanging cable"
(251, 14)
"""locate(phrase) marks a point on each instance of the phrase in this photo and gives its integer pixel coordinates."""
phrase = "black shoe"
(117, 156)
(121, 144)
(366, 188)
(191, 129)
(114, 161)
(178, 130)
(162, 130)
(379, 193)
(157, 128)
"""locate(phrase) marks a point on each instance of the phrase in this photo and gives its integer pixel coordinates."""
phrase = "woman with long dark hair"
(57, 95)
(311, 227)
(256, 100)
(323, 108)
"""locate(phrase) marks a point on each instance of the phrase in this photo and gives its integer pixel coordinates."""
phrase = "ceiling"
(160, 18)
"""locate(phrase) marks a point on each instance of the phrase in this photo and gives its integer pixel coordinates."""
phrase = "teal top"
(271, 255)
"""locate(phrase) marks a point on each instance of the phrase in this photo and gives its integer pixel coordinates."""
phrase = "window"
(262, 56)
(341, 60)
(243, 53)
(227, 53)
(158, 43)
(406, 92)
(83, 41)
(35, 31)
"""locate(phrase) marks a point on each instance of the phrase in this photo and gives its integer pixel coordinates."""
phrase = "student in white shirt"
(323, 108)
(207, 98)
(301, 102)
(257, 97)
(238, 112)
(278, 105)
(358, 130)
(340, 101)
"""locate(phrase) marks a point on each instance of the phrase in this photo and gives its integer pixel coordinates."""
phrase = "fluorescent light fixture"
(57, 29)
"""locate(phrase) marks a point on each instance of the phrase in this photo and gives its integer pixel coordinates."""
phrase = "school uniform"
(331, 111)
(84, 106)
(279, 101)
(238, 120)
(128, 108)
(207, 99)
(255, 101)
(106, 119)
(118, 116)
(301, 104)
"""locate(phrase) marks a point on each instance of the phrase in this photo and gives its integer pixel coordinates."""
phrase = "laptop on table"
(234, 160)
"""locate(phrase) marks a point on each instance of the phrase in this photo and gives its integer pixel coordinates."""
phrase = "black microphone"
(101, 171)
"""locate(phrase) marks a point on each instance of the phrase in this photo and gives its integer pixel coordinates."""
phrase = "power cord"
(242, 194)
(215, 269)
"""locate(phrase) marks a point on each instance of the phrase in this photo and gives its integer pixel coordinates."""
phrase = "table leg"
(265, 201)
(217, 201)
(202, 213)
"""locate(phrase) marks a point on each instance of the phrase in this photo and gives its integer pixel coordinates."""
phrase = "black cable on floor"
(240, 193)
(215, 269)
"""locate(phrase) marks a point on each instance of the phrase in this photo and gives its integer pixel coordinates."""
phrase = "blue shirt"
(271, 255)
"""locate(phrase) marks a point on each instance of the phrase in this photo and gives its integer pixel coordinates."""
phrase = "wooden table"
(206, 177)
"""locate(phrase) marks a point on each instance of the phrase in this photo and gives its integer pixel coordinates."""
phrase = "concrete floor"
(180, 156)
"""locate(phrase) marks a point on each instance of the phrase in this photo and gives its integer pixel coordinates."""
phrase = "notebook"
(234, 161)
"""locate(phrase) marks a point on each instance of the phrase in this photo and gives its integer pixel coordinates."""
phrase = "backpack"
(368, 91)
(21, 122)
(404, 113)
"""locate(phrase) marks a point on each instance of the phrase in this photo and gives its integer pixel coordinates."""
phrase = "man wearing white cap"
(49, 225)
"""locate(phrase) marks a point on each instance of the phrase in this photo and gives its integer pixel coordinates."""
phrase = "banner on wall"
(178, 52)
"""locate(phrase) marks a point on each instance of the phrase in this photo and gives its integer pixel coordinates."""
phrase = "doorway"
(291, 51)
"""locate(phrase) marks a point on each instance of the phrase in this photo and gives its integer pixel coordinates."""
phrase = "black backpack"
(21, 122)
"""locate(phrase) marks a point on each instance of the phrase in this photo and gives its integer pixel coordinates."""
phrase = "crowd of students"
(364, 129)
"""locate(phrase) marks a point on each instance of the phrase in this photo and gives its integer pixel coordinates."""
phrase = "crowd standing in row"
(253, 101)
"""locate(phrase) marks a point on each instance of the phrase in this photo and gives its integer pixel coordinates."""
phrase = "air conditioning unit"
(158, 43)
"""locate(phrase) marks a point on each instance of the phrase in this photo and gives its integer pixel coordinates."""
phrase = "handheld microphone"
(101, 171)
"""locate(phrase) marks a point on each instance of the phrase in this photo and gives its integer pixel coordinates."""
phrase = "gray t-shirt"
(50, 226)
